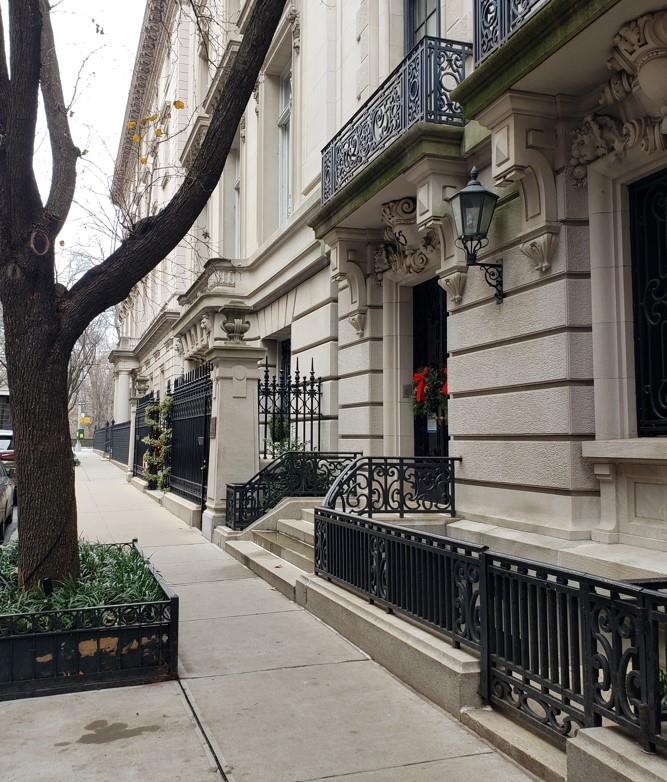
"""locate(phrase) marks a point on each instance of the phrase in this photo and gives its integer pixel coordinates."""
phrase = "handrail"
(396, 485)
(292, 474)
(559, 649)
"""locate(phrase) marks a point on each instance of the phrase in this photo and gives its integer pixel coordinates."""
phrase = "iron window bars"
(496, 20)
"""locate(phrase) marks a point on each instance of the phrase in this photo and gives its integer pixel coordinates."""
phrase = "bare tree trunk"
(44, 463)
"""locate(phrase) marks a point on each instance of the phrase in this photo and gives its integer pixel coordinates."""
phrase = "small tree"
(44, 319)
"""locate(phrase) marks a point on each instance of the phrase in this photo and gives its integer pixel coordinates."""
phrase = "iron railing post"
(485, 600)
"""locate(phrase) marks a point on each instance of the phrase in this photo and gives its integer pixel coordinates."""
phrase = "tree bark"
(44, 461)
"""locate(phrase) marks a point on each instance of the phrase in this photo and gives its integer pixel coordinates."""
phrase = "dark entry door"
(429, 316)
(648, 209)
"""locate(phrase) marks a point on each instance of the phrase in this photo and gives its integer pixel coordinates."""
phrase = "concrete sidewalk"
(268, 693)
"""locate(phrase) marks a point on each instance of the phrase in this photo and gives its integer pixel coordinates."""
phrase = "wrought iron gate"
(142, 430)
(190, 422)
(289, 411)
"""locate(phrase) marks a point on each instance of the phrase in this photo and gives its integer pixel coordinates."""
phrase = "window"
(285, 147)
(422, 18)
(649, 260)
(5, 413)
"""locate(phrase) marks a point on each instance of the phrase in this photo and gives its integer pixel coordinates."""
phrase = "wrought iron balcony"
(496, 20)
(418, 90)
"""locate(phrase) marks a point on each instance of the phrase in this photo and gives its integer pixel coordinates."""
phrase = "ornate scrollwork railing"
(418, 90)
(496, 20)
(559, 649)
(396, 485)
(293, 474)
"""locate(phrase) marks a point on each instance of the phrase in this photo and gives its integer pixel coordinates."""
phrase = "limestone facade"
(542, 407)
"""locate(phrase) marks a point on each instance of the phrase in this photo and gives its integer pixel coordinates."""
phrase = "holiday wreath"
(430, 391)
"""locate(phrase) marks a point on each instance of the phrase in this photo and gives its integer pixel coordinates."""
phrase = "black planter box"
(89, 648)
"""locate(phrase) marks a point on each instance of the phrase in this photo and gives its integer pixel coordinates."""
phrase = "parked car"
(8, 460)
(6, 496)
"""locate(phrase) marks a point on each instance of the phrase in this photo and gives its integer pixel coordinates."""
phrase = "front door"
(648, 210)
(429, 314)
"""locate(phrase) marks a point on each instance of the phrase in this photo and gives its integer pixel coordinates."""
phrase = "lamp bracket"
(493, 274)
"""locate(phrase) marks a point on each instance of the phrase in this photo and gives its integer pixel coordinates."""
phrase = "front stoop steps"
(283, 556)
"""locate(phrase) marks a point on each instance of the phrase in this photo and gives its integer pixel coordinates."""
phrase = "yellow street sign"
(85, 420)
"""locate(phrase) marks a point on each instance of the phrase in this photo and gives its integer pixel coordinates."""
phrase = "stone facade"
(542, 387)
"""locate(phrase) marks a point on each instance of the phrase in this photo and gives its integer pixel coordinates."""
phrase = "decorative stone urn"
(235, 321)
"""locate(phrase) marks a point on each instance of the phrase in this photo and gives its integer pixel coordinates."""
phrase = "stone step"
(286, 547)
(308, 514)
(272, 569)
(531, 751)
(299, 529)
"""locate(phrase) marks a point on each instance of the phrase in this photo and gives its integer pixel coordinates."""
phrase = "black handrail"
(293, 474)
(396, 485)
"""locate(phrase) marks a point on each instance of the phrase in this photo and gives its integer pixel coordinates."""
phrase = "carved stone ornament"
(541, 251)
(178, 346)
(242, 129)
(405, 250)
(140, 386)
(454, 285)
(358, 322)
(638, 64)
(235, 321)
(295, 23)
(205, 324)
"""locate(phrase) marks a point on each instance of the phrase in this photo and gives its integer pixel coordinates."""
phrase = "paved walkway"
(268, 693)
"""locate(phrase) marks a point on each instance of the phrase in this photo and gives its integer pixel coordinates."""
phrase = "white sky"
(99, 107)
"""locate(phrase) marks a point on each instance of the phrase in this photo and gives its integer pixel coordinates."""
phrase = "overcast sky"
(107, 32)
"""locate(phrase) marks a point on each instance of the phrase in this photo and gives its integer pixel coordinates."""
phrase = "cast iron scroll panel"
(395, 484)
(648, 204)
(418, 90)
(293, 474)
(496, 20)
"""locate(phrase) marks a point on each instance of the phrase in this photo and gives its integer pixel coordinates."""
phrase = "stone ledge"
(529, 750)
(636, 449)
(447, 676)
(609, 755)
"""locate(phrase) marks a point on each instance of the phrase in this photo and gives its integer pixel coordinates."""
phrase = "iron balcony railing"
(418, 90)
(496, 20)
(559, 649)
(293, 474)
(395, 484)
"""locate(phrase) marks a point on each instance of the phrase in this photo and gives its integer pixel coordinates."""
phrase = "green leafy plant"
(156, 459)
(279, 448)
(430, 391)
(110, 575)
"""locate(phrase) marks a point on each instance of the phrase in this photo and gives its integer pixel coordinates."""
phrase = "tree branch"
(24, 203)
(63, 151)
(154, 238)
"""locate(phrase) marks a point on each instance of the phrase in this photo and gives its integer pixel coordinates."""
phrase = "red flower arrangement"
(430, 391)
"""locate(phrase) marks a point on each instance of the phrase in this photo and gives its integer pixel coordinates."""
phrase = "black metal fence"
(560, 649)
(289, 410)
(190, 422)
(88, 648)
(496, 20)
(100, 438)
(395, 484)
(293, 474)
(141, 431)
(418, 90)
(119, 446)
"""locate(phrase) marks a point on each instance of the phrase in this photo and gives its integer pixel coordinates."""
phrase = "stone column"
(234, 446)
(121, 406)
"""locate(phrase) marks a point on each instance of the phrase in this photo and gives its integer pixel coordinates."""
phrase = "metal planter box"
(89, 648)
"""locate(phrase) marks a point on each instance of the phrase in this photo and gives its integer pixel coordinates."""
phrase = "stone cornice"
(157, 329)
(220, 275)
(153, 32)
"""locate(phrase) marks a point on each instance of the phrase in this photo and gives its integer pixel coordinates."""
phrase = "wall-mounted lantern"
(472, 209)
